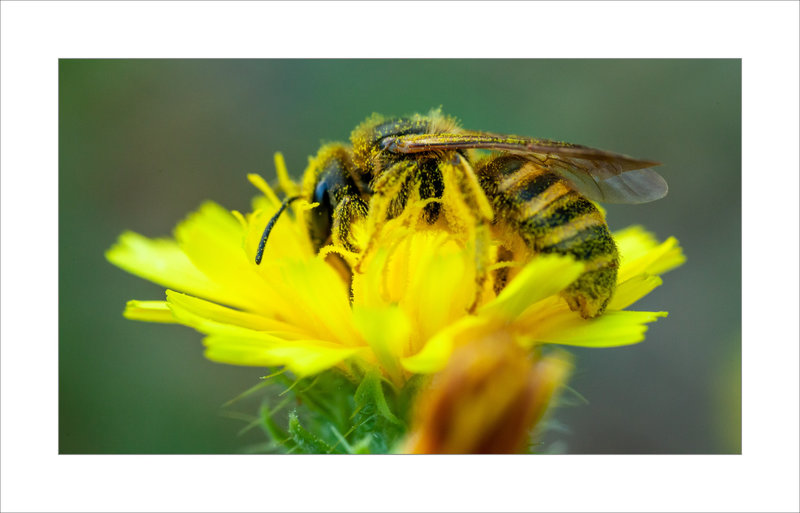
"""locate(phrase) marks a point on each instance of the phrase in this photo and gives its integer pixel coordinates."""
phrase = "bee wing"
(605, 180)
(597, 174)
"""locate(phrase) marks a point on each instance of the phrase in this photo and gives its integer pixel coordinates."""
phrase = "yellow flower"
(486, 400)
(409, 303)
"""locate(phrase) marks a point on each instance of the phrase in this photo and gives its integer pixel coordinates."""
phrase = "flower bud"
(487, 400)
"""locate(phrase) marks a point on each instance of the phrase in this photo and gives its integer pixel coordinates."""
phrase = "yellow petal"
(440, 282)
(213, 240)
(286, 183)
(302, 357)
(664, 257)
(387, 331)
(163, 262)
(640, 252)
(608, 330)
(632, 290)
(434, 356)
(634, 242)
(209, 317)
(314, 296)
(368, 287)
(150, 311)
(545, 275)
(670, 256)
(262, 185)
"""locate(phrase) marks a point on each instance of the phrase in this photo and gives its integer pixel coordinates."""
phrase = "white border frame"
(36, 478)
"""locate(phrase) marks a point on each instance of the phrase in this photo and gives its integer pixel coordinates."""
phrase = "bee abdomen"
(571, 225)
(552, 218)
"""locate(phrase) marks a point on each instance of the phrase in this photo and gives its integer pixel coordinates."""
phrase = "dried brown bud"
(486, 400)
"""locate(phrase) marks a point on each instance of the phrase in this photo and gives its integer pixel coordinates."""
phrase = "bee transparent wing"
(606, 180)
(597, 174)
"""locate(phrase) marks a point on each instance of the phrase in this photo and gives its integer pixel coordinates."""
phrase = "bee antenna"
(270, 224)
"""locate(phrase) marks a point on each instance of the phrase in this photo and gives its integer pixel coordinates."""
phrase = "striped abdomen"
(552, 218)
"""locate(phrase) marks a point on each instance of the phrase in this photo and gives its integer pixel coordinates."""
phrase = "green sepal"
(370, 392)
(306, 441)
(273, 431)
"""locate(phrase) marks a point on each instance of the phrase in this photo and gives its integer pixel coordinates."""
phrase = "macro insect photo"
(402, 268)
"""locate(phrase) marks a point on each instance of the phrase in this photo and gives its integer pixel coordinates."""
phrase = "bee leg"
(465, 214)
(483, 242)
(348, 212)
(472, 188)
(484, 214)
(430, 186)
(390, 192)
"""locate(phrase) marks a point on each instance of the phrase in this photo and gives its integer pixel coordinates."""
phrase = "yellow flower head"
(401, 307)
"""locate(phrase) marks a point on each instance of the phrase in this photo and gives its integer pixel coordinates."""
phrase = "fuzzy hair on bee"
(527, 196)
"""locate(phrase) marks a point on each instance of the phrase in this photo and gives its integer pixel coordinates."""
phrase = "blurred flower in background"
(487, 399)
(361, 334)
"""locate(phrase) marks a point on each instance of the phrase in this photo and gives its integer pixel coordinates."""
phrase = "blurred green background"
(143, 142)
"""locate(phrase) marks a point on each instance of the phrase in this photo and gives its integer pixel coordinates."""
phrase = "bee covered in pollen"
(526, 196)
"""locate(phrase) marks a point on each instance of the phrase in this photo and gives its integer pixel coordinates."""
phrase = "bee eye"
(320, 216)
(320, 192)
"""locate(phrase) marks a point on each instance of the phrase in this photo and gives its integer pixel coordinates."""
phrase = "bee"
(533, 195)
